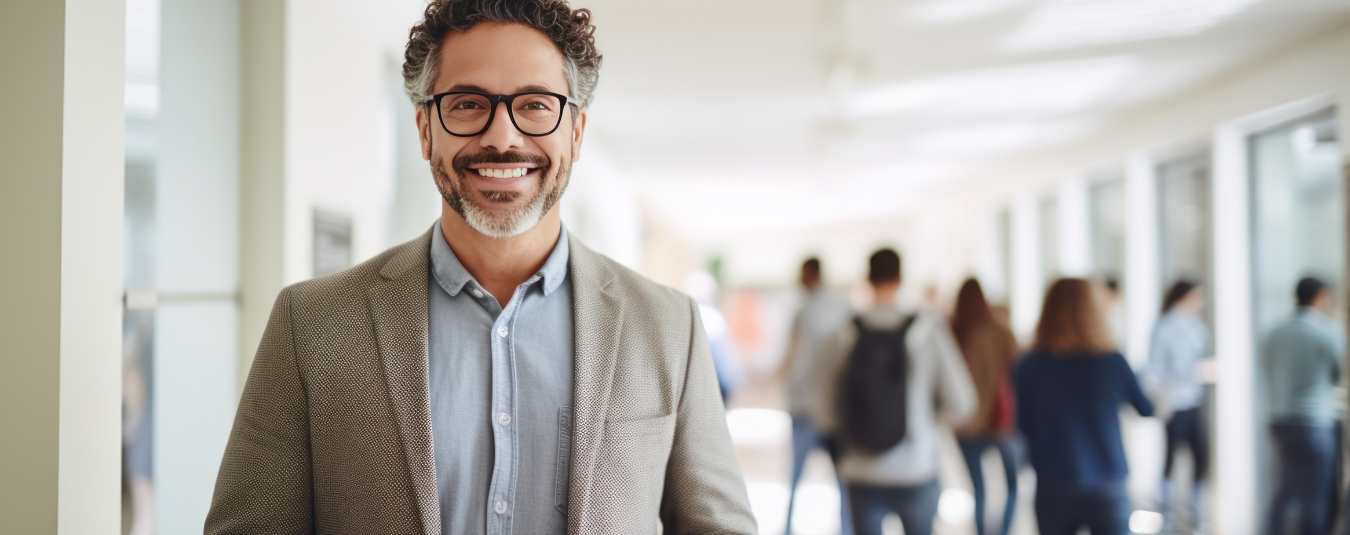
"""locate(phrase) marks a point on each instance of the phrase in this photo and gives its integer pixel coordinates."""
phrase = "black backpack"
(873, 389)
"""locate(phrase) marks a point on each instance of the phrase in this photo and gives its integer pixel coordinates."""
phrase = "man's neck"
(501, 264)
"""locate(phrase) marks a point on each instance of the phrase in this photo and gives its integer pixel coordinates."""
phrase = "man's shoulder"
(636, 292)
(358, 279)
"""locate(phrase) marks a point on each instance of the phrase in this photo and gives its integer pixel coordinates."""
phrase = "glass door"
(1298, 230)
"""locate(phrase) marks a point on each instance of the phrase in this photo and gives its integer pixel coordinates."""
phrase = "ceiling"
(756, 115)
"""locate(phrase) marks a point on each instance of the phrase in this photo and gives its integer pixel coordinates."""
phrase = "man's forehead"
(500, 58)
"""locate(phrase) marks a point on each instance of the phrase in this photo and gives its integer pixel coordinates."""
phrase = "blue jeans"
(1306, 461)
(972, 448)
(806, 437)
(916, 506)
(1061, 509)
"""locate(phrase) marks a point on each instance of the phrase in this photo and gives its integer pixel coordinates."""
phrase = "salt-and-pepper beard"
(453, 188)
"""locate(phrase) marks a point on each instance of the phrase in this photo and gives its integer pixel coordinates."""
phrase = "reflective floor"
(762, 433)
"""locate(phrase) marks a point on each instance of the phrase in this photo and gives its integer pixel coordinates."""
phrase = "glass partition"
(1185, 225)
(1107, 212)
(1298, 229)
(1298, 214)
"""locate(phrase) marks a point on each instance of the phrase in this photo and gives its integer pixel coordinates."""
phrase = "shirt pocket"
(563, 469)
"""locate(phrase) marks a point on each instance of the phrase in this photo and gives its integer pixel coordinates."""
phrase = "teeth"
(504, 173)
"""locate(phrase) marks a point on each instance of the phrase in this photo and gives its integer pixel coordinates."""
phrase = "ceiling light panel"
(942, 11)
(1035, 90)
(1078, 23)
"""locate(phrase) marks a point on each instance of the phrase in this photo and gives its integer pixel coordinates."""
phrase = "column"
(61, 135)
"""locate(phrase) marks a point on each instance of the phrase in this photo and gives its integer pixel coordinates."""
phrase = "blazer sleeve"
(704, 491)
(264, 482)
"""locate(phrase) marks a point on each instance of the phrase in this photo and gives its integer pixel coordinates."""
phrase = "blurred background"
(1016, 141)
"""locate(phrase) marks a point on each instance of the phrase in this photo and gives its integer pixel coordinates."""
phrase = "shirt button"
(501, 507)
(476, 293)
(504, 419)
(501, 331)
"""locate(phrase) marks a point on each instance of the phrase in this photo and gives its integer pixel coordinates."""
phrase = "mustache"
(463, 162)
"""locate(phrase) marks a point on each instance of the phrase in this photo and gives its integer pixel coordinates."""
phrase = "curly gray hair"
(570, 29)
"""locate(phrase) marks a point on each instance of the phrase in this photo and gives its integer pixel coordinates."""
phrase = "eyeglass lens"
(468, 113)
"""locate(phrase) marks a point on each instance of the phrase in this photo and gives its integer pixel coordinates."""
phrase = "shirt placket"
(502, 491)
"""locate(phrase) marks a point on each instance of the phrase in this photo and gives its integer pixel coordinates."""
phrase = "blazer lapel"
(398, 306)
(597, 315)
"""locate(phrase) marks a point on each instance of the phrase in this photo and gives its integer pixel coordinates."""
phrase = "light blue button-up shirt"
(501, 392)
(1302, 360)
(1180, 342)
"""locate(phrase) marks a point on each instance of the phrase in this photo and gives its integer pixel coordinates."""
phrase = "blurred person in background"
(1180, 344)
(493, 375)
(702, 287)
(821, 315)
(1070, 387)
(990, 351)
(901, 376)
(1302, 363)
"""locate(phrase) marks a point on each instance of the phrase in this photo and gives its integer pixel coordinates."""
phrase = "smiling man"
(493, 376)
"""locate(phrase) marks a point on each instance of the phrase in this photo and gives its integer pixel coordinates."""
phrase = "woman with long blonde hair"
(1069, 390)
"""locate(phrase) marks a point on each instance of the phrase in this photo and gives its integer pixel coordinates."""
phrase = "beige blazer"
(333, 433)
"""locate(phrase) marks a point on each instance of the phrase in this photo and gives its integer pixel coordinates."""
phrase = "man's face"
(501, 60)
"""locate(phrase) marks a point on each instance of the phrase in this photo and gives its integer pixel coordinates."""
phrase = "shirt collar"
(452, 276)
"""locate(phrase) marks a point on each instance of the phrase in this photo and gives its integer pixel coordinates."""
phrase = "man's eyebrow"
(528, 88)
(467, 87)
(477, 89)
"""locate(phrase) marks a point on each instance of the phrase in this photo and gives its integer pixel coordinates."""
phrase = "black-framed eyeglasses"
(470, 113)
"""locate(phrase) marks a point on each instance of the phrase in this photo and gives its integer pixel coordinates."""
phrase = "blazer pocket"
(640, 427)
(634, 454)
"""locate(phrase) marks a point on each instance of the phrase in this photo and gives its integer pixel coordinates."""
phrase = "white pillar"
(61, 144)
(262, 149)
(1235, 448)
(990, 259)
(1075, 241)
(1141, 256)
(1028, 288)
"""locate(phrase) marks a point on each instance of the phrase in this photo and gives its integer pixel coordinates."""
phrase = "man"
(493, 376)
(1302, 360)
(938, 390)
(821, 315)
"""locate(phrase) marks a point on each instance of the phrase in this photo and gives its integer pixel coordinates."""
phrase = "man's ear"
(578, 132)
(424, 131)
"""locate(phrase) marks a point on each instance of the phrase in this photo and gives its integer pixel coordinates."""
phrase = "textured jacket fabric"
(333, 432)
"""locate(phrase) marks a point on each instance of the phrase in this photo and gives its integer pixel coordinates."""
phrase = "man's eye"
(467, 105)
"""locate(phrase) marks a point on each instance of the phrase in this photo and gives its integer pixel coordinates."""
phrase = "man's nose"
(502, 134)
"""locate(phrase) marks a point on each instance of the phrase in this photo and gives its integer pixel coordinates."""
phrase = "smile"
(504, 173)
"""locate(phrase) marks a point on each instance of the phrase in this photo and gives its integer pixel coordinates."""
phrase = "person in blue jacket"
(1070, 388)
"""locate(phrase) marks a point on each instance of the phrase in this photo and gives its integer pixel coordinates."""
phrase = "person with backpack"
(990, 351)
(1070, 388)
(900, 376)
